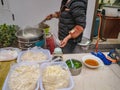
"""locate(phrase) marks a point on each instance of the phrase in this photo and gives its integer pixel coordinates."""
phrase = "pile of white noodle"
(33, 56)
(24, 77)
(55, 77)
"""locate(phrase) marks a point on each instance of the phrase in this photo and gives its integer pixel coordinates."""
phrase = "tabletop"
(4, 69)
(106, 77)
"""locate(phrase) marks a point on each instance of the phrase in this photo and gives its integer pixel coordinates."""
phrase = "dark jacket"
(72, 14)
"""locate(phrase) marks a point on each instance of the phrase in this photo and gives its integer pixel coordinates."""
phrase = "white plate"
(8, 53)
(94, 58)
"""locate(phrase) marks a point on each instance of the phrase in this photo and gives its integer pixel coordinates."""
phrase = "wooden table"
(104, 78)
(4, 69)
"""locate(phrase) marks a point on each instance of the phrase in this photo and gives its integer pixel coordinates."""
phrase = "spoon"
(72, 63)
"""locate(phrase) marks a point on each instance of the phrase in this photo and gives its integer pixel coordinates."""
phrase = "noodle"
(33, 56)
(24, 78)
(55, 77)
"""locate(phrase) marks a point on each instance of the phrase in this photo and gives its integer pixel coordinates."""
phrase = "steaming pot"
(30, 37)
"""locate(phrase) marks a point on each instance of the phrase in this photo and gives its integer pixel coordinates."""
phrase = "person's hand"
(49, 17)
(55, 15)
(65, 40)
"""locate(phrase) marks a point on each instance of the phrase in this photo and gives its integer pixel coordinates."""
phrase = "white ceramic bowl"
(100, 63)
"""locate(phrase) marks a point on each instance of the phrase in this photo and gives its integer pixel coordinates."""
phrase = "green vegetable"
(7, 35)
(77, 64)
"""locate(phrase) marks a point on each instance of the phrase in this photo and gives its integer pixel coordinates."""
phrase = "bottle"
(50, 44)
(57, 54)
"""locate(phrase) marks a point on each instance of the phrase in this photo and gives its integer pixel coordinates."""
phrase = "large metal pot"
(30, 37)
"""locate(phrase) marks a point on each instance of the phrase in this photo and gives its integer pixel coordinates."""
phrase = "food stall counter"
(106, 77)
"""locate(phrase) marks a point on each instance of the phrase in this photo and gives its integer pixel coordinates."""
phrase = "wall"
(5, 13)
(31, 12)
(90, 16)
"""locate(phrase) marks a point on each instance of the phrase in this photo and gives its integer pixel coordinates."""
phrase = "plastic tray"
(6, 87)
(35, 50)
(63, 65)
(9, 53)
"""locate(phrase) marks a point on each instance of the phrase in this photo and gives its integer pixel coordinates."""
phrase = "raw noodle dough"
(24, 77)
(33, 56)
(55, 77)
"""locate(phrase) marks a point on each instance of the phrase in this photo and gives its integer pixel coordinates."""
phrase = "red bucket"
(50, 43)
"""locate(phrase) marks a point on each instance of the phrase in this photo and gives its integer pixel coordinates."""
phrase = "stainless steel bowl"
(74, 70)
(85, 43)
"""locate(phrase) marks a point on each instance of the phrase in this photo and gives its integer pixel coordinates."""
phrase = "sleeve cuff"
(76, 31)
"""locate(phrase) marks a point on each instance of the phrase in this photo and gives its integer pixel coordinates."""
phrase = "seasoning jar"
(57, 54)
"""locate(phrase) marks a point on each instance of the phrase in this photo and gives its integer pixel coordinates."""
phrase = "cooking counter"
(103, 78)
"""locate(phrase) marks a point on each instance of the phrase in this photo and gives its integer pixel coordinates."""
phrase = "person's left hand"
(65, 40)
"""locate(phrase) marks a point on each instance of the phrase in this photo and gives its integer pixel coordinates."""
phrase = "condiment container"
(57, 54)
(76, 68)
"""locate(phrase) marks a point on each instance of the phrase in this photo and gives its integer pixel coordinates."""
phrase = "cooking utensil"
(72, 63)
(44, 20)
(30, 37)
(29, 33)
(43, 25)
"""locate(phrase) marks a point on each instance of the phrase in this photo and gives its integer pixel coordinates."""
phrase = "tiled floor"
(108, 41)
(104, 46)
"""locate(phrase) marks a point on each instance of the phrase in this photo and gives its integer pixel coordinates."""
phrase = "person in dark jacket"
(72, 21)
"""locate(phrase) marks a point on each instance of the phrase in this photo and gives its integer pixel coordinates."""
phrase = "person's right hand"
(49, 17)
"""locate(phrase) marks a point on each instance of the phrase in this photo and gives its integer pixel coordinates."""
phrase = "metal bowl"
(29, 33)
(74, 70)
(85, 43)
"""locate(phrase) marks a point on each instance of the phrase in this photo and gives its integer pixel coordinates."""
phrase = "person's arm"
(74, 33)
(65, 40)
(55, 15)
(78, 11)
